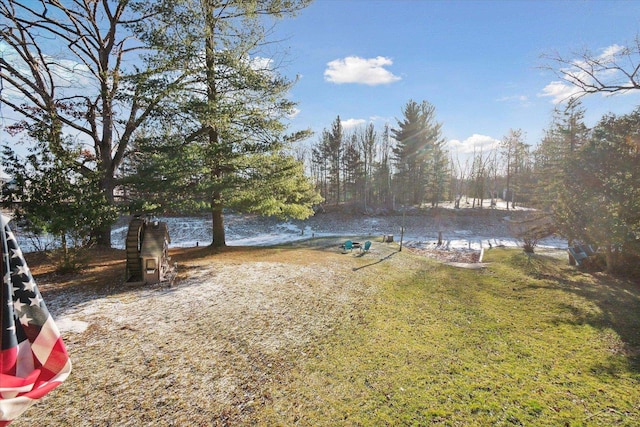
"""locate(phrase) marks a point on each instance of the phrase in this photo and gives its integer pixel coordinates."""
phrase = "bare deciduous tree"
(75, 67)
(615, 70)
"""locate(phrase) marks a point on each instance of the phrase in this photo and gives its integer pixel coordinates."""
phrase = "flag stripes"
(33, 358)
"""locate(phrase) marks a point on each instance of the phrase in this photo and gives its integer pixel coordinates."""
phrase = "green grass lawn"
(526, 341)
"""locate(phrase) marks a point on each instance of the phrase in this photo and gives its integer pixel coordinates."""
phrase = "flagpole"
(6, 287)
(5, 249)
(3, 222)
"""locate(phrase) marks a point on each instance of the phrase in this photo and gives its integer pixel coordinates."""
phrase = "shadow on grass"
(617, 301)
(103, 277)
(374, 263)
(619, 309)
(100, 279)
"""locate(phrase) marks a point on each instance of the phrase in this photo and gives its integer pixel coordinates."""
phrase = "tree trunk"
(102, 236)
(65, 248)
(572, 260)
(217, 217)
(610, 259)
(217, 228)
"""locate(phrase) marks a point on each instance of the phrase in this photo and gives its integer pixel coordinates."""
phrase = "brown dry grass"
(207, 350)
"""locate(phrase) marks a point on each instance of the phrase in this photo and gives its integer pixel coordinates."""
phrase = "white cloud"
(260, 63)
(559, 91)
(352, 123)
(71, 73)
(474, 142)
(517, 98)
(70, 77)
(609, 53)
(354, 69)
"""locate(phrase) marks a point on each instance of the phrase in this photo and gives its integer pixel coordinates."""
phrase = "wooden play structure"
(147, 249)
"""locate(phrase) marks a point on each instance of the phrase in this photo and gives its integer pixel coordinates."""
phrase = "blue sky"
(478, 62)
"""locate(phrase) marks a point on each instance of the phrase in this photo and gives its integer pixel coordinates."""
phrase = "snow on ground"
(243, 230)
(463, 229)
(464, 234)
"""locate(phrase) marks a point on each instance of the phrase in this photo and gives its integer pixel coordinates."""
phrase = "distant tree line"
(404, 165)
(408, 164)
(586, 181)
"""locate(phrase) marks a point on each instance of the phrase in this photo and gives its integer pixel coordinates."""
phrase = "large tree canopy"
(589, 180)
(230, 112)
(109, 75)
(607, 185)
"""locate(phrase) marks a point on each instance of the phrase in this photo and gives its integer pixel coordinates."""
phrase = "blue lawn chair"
(348, 246)
(366, 246)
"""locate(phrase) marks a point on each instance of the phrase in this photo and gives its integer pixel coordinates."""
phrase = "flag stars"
(16, 253)
(35, 302)
(24, 319)
(17, 305)
(22, 270)
(30, 285)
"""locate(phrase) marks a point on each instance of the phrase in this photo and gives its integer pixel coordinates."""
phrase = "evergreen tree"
(605, 186)
(231, 109)
(55, 195)
(353, 169)
(333, 149)
(320, 167)
(417, 136)
(367, 142)
(165, 175)
(523, 182)
(383, 170)
(275, 185)
(437, 173)
(555, 168)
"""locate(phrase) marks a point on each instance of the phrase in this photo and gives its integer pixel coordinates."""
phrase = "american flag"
(33, 359)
